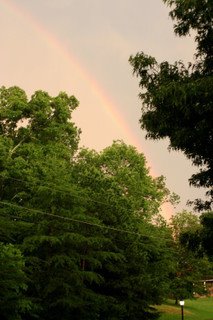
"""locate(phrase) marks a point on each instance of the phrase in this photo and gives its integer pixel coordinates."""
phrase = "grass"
(197, 309)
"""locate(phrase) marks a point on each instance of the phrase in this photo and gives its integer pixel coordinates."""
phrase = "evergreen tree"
(82, 219)
(13, 284)
(126, 200)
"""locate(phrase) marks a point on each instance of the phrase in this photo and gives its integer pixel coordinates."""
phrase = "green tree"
(195, 15)
(184, 222)
(177, 98)
(13, 283)
(194, 232)
(190, 262)
(126, 199)
(38, 194)
(207, 233)
(82, 219)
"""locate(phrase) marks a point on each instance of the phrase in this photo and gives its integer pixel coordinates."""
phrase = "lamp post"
(182, 304)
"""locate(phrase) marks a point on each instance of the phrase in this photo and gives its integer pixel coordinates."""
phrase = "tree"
(195, 15)
(177, 98)
(37, 187)
(184, 222)
(190, 262)
(81, 219)
(207, 233)
(38, 197)
(126, 199)
(13, 283)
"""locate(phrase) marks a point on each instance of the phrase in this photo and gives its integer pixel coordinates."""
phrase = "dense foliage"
(207, 234)
(178, 99)
(191, 263)
(75, 225)
(13, 283)
(80, 232)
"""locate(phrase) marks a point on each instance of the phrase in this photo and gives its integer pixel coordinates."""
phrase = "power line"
(115, 240)
(65, 191)
(62, 190)
(68, 219)
(73, 220)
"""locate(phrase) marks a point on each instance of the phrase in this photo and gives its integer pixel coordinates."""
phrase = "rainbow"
(73, 62)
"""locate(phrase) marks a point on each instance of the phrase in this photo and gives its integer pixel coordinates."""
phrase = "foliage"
(194, 232)
(191, 264)
(183, 222)
(177, 98)
(207, 233)
(195, 15)
(13, 302)
(126, 198)
(82, 219)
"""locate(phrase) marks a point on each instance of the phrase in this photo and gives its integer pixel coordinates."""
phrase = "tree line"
(81, 234)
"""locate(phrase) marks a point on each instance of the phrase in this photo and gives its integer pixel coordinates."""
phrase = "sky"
(82, 47)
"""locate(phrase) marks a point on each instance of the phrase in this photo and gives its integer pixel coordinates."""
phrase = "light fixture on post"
(182, 305)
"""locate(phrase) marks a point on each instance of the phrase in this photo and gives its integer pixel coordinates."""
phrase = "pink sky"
(82, 47)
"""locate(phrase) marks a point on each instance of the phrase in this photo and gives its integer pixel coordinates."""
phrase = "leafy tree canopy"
(13, 283)
(190, 262)
(183, 222)
(196, 15)
(177, 98)
(207, 233)
(79, 220)
(126, 197)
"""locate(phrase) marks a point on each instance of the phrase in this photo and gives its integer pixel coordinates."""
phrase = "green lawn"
(198, 309)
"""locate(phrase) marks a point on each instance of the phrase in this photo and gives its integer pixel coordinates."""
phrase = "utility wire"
(62, 190)
(65, 191)
(116, 240)
(68, 219)
(72, 220)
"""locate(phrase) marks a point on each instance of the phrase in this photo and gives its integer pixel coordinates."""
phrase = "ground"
(197, 309)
